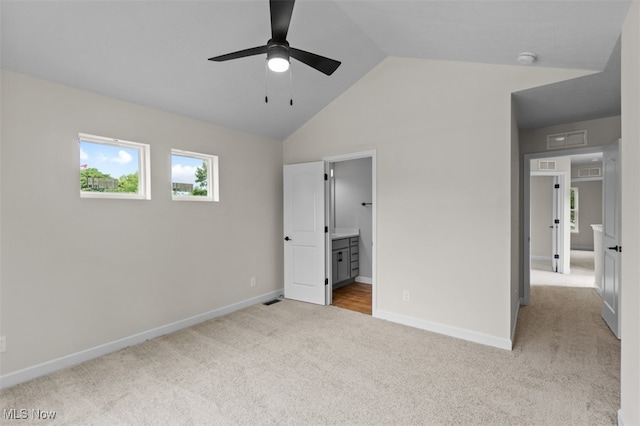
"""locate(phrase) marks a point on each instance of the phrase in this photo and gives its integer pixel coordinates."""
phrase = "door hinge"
(556, 256)
(326, 281)
(326, 229)
(556, 186)
(556, 221)
(326, 177)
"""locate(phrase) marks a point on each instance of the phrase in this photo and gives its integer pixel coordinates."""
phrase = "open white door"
(304, 236)
(611, 238)
(556, 223)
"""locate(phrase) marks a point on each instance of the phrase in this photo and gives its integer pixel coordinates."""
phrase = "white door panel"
(304, 239)
(611, 238)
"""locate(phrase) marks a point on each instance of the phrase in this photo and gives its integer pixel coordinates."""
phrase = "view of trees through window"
(108, 168)
(189, 176)
(573, 207)
(114, 168)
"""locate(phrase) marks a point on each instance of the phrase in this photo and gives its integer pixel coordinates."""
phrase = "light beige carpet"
(581, 266)
(293, 363)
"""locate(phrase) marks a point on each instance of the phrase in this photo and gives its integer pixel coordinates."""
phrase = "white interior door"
(304, 236)
(555, 225)
(611, 238)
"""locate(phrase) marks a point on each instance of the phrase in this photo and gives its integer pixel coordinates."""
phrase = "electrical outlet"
(3, 344)
(253, 281)
(405, 295)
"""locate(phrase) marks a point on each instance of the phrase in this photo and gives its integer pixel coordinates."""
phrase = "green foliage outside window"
(201, 180)
(573, 207)
(93, 180)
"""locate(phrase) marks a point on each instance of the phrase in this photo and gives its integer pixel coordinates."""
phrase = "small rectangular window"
(194, 176)
(113, 168)
(574, 211)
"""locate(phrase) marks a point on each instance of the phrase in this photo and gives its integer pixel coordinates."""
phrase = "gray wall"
(352, 185)
(78, 273)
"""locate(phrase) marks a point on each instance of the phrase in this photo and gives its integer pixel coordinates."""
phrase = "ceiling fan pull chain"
(290, 86)
(266, 73)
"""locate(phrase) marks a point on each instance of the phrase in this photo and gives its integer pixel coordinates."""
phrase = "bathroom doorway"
(351, 212)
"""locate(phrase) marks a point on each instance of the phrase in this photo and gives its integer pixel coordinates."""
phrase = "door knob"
(287, 239)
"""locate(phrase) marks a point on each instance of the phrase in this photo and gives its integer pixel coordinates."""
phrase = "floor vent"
(271, 302)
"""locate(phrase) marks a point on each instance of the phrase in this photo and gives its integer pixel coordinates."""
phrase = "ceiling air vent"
(567, 140)
(546, 165)
(590, 172)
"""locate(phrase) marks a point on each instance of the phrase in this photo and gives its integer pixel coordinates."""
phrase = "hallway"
(582, 272)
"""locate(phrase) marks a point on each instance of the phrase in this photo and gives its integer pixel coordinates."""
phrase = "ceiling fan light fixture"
(527, 58)
(278, 64)
(278, 56)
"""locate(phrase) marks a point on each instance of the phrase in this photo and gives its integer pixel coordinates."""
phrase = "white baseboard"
(582, 248)
(447, 330)
(364, 280)
(47, 367)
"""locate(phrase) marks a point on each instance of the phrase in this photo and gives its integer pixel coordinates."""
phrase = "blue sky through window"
(113, 160)
(183, 169)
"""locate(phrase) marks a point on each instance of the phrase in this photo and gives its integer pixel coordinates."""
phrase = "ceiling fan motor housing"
(278, 49)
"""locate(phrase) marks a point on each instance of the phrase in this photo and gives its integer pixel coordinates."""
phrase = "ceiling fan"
(277, 48)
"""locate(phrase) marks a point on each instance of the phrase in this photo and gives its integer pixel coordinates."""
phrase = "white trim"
(620, 419)
(447, 330)
(364, 280)
(48, 367)
(582, 248)
(144, 168)
(213, 176)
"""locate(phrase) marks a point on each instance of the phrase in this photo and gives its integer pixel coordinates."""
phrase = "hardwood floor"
(354, 296)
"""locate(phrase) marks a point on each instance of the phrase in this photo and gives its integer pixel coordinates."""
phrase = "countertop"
(339, 233)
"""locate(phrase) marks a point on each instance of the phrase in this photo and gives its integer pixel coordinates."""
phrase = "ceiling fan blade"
(322, 64)
(240, 54)
(281, 11)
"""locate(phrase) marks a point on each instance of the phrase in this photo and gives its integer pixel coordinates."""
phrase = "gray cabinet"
(344, 259)
(354, 256)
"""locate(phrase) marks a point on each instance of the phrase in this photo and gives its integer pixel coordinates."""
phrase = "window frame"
(144, 167)
(213, 185)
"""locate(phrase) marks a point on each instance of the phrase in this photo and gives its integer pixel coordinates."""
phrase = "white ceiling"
(155, 53)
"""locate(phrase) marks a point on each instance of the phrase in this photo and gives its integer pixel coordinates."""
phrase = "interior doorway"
(583, 189)
(351, 245)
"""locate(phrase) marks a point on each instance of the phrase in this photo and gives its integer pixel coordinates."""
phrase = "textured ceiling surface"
(155, 53)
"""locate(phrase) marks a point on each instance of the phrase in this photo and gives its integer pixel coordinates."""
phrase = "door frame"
(525, 294)
(329, 222)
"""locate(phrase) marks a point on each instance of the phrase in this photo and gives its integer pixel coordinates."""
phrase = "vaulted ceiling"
(155, 53)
